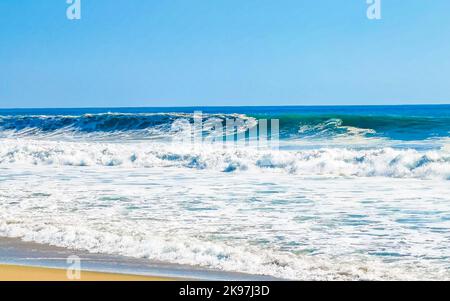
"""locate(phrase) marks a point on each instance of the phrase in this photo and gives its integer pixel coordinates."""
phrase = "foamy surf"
(382, 162)
(351, 194)
(285, 226)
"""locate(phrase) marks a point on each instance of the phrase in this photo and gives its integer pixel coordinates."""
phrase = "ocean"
(349, 193)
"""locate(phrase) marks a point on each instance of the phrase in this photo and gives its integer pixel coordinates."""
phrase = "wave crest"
(332, 128)
(107, 126)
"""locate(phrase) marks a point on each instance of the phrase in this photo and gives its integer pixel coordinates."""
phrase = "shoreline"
(28, 261)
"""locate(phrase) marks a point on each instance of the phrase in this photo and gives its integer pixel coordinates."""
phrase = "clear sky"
(223, 52)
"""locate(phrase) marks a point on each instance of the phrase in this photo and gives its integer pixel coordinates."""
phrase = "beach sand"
(26, 273)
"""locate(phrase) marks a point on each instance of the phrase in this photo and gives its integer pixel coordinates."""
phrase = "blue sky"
(223, 52)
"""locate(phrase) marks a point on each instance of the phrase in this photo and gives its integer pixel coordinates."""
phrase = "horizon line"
(228, 106)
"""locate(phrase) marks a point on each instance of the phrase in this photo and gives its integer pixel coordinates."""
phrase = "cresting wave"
(382, 162)
(107, 125)
(141, 126)
(405, 128)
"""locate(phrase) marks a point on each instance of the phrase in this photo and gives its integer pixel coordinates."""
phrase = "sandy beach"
(28, 261)
(25, 261)
(26, 273)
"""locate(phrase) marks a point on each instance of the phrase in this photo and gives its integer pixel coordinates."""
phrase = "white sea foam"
(283, 225)
(382, 162)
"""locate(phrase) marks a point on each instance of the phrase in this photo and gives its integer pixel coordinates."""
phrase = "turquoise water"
(393, 122)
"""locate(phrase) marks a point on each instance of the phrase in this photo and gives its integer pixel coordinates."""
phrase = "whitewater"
(352, 193)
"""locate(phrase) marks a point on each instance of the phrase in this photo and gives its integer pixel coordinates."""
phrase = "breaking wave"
(108, 126)
(381, 162)
(145, 126)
